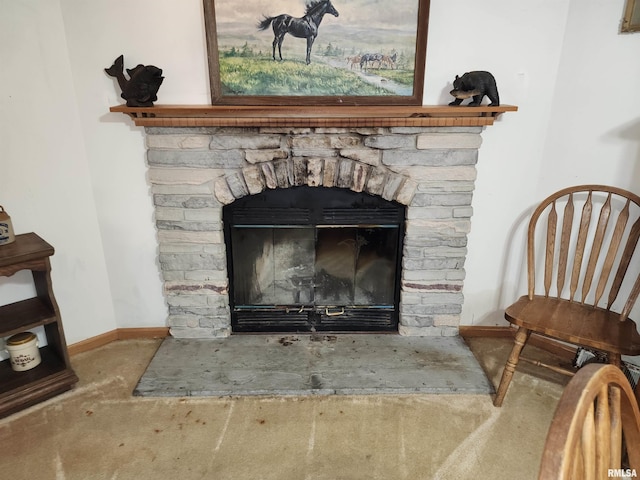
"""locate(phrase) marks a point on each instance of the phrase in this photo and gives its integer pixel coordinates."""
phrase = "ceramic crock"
(23, 351)
(6, 229)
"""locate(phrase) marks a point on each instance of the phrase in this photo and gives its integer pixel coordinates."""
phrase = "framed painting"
(316, 52)
(631, 20)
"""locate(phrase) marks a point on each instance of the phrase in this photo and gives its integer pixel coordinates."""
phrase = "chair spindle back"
(598, 230)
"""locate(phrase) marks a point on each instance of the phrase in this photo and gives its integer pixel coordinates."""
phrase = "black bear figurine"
(476, 85)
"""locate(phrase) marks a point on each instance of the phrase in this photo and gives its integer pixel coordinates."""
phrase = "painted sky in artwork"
(378, 14)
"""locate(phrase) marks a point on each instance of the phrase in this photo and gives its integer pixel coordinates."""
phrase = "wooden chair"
(589, 260)
(596, 427)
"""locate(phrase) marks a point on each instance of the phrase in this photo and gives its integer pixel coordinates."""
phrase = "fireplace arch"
(314, 259)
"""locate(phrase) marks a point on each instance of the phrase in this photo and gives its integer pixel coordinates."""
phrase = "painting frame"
(220, 94)
(631, 19)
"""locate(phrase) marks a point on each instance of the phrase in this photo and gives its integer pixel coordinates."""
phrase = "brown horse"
(353, 61)
(389, 61)
(305, 27)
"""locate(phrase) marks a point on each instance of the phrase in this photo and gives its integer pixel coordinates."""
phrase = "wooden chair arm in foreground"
(596, 428)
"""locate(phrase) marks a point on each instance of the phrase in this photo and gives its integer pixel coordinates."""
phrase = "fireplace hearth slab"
(315, 364)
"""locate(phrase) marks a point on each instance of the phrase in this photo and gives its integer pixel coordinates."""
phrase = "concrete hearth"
(313, 365)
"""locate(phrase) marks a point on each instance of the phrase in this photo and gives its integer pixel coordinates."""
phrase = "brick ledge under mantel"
(313, 116)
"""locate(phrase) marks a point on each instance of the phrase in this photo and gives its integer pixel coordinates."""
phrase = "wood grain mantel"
(316, 116)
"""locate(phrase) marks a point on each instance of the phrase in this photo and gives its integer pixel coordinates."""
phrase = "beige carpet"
(100, 431)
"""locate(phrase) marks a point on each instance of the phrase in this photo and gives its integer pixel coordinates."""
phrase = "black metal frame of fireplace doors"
(315, 206)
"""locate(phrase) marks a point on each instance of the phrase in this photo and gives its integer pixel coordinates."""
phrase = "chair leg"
(522, 335)
(615, 359)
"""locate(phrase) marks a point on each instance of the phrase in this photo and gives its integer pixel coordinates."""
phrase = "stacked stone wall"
(194, 172)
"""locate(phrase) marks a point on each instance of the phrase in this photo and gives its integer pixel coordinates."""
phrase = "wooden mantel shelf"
(312, 116)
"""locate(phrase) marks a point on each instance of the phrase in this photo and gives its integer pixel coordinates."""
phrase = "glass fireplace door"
(307, 270)
(319, 267)
(273, 266)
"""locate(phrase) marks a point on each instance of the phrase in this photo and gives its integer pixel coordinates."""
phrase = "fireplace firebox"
(314, 259)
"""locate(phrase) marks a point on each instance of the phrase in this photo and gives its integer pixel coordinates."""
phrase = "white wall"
(574, 125)
(75, 173)
(521, 44)
(45, 183)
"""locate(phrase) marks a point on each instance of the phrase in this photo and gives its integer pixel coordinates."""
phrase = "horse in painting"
(305, 27)
(370, 59)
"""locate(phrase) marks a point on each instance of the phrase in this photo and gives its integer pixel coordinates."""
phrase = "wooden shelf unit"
(54, 375)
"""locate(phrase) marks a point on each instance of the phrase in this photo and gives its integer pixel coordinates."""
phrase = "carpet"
(359, 364)
(100, 431)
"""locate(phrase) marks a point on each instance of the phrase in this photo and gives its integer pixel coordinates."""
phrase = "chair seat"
(576, 323)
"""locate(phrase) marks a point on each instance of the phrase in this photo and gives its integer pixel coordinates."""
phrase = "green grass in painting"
(260, 76)
(403, 77)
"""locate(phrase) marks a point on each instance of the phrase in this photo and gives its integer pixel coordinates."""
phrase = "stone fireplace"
(195, 171)
(419, 160)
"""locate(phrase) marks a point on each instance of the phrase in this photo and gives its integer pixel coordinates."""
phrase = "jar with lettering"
(23, 351)
(6, 229)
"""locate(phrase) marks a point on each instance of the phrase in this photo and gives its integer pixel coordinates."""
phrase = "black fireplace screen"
(307, 259)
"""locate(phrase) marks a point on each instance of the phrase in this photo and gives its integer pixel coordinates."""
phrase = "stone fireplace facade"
(195, 171)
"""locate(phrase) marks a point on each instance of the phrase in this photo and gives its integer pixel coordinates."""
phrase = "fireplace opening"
(307, 259)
